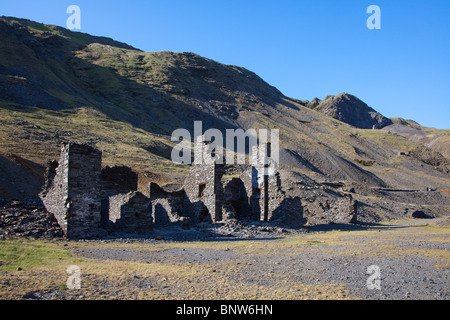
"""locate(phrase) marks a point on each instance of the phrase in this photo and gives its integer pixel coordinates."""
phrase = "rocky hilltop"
(349, 109)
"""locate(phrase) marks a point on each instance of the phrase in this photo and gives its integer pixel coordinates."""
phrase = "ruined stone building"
(203, 185)
(89, 201)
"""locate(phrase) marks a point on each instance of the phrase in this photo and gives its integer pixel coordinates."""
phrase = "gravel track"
(409, 269)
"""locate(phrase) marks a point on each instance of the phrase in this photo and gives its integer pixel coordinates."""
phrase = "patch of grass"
(230, 176)
(443, 255)
(27, 254)
(387, 139)
(166, 279)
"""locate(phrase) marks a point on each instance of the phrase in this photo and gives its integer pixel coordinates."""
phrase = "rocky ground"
(27, 219)
(257, 261)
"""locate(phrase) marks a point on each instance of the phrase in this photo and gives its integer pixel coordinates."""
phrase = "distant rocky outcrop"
(349, 109)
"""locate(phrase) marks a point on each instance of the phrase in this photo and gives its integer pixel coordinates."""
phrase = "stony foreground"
(413, 258)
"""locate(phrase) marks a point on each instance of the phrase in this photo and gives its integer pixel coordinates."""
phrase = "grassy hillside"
(437, 140)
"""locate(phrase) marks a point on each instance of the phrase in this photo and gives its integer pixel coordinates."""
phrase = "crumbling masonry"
(89, 201)
(72, 191)
(203, 186)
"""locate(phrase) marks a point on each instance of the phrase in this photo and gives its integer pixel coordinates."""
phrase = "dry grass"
(158, 280)
(121, 143)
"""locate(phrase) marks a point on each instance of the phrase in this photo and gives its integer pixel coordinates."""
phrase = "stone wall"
(235, 200)
(118, 179)
(263, 185)
(55, 195)
(130, 213)
(289, 212)
(204, 191)
(203, 187)
(73, 194)
(166, 207)
(84, 193)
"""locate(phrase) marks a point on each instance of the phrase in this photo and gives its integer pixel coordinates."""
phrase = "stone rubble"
(27, 219)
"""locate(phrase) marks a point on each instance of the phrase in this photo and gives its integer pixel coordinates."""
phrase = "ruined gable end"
(130, 213)
(203, 186)
(72, 190)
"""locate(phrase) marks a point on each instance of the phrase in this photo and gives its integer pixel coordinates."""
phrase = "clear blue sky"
(304, 48)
